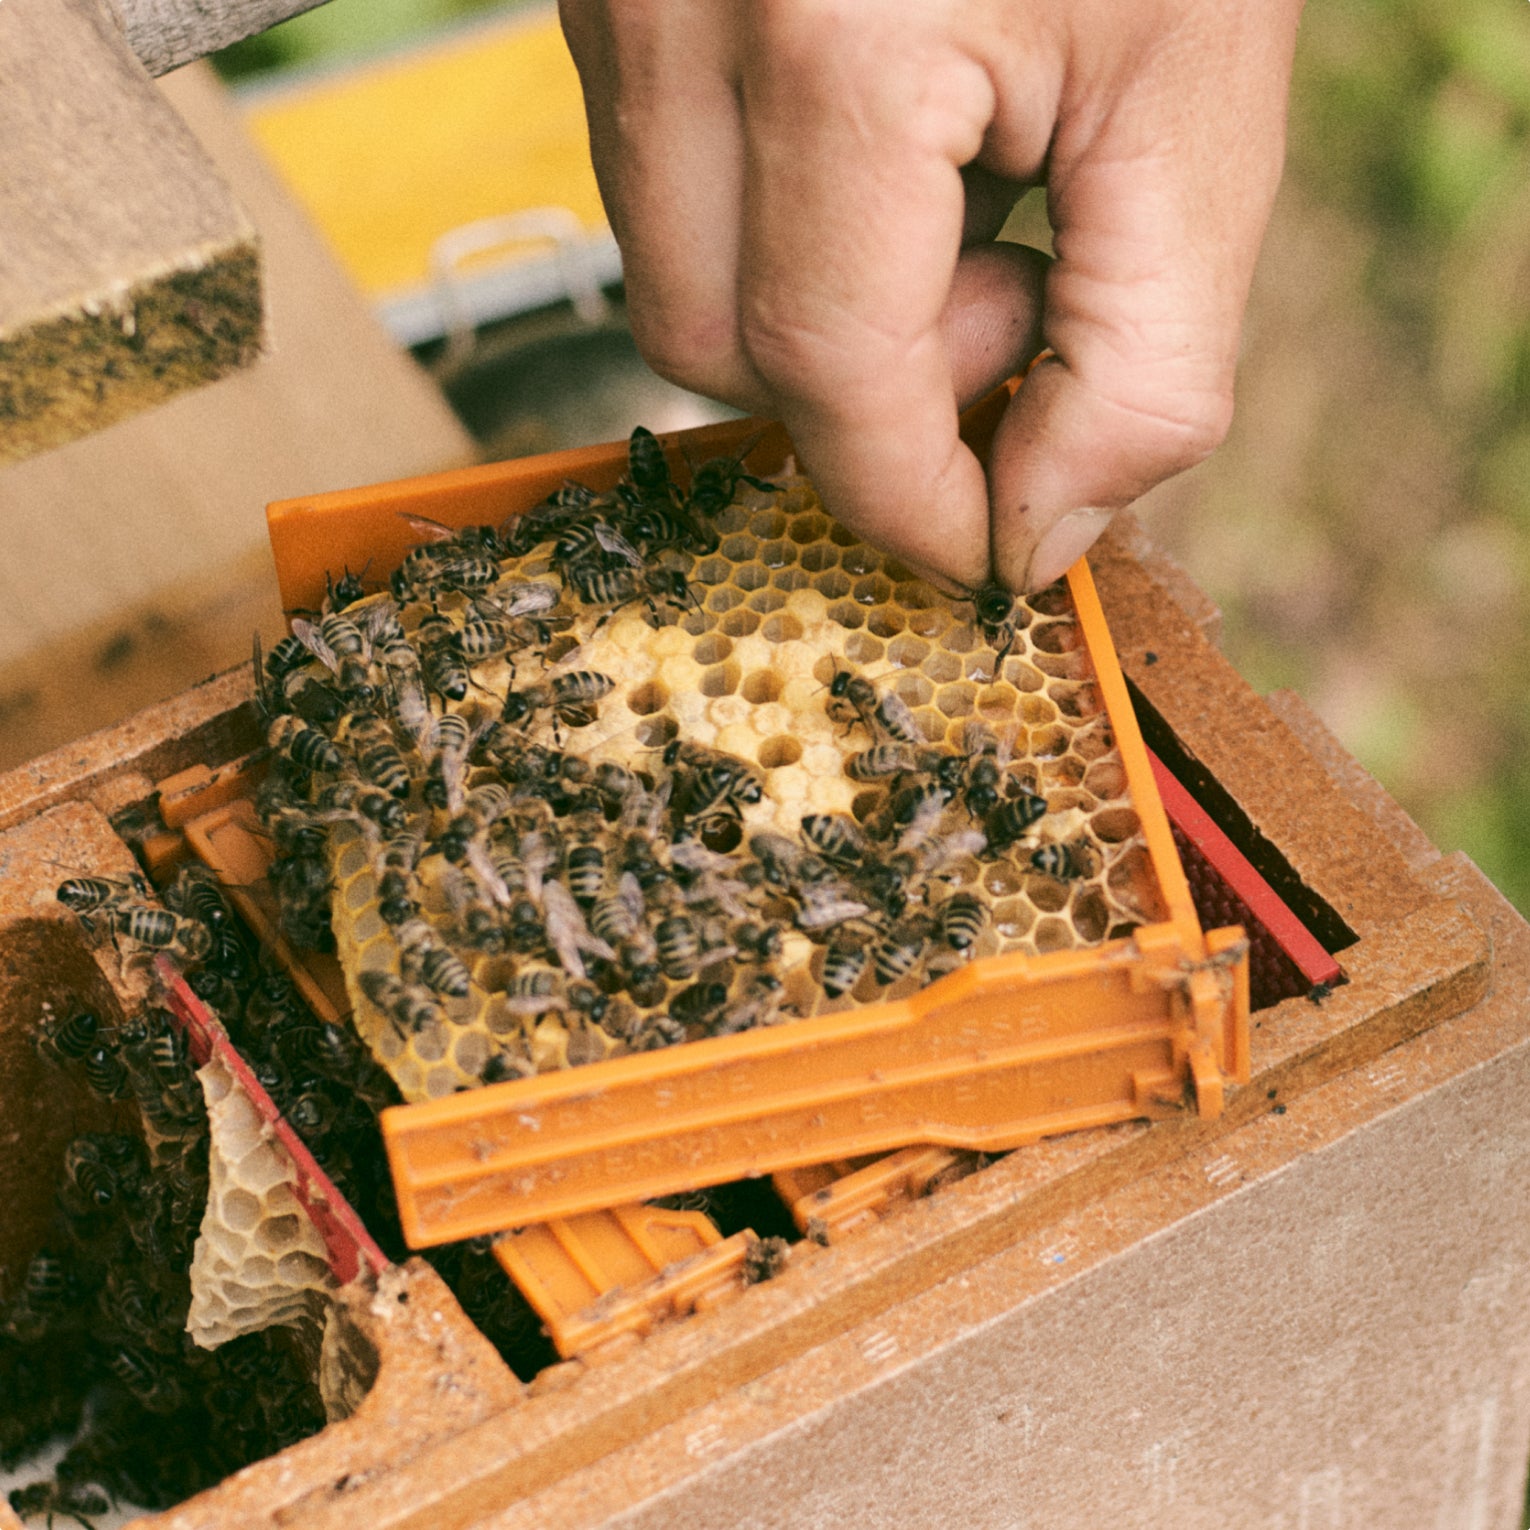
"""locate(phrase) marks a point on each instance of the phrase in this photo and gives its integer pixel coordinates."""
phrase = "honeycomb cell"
(279, 1232)
(885, 622)
(648, 698)
(764, 525)
(737, 624)
(751, 576)
(239, 1209)
(843, 536)
(781, 628)
(1002, 880)
(695, 622)
(941, 667)
(724, 598)
(1115, 825)
(762, 686)
(808, 528)
(470, 1052)
(1074, 701)
(819, 557)
(739, 550)
(907, 652)
(846, 613)
(961, 638)
(929, 623)
(767, 600)
(1052, 934)
(791, 579)
(712, 649)
(712, 571)
(956, 700)
(721, 679)
(1069, 771)
(1022, 675)
(1048, 895)
(777, 554)
(1049, 742)
(1106, 778)
(656, 732)
(861, 559)
(871, 591)
(862, 647)
(1091, 915)
(1013, 919)
(914, 594)
(440, 1082)
(783, 749)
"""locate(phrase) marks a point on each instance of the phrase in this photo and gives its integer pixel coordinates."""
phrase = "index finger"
(852, 226)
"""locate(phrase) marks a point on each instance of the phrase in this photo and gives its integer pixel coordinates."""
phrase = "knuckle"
(687, 351)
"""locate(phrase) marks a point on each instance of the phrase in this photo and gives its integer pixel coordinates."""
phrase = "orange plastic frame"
(1003, 1052)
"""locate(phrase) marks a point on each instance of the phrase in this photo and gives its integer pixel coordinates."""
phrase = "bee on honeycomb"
(667, 762)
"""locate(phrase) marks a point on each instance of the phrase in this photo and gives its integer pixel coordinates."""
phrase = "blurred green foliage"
(345, 29)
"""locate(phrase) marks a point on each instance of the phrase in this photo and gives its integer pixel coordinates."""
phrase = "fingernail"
(1062, 545)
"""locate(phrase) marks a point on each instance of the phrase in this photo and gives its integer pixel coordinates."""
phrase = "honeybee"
(353, 800)
(998, 619)
(617, 587)
(157, 929)
(1013, 818)
(305, 746)
(649, 470)
(759, 1004)
(451, 739)
(346, 590)
(425, 955)
(567, 932)
(900, 949)
(543, 522)
(617, 916)
(87, 895)
(74, 1500)
(962, 919)
(698, 1004)
(985, 758)
(884, 714)
(844, 961)
(715, 482)
(463, 562)
(65, 1039)
(441, 664)
(1063, 862)
(407, 1007)
(378, 758)
(568, 697)
(836, 836)
(883, 761)
(679, 946)
(338, 644)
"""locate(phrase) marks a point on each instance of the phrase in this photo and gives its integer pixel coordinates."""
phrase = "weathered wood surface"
(127, 270)
(135, 562)
(168, 33)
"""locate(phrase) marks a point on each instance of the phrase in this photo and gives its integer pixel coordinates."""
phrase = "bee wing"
(375, 617)
(262, 690)
(630, 891)
(567, 931)
(411, 706)
(897, 719)
(1006, 750)
(922, 825)
(429, 530)
(824, 905)
(308, 635)
(488, 878)
(613, 542)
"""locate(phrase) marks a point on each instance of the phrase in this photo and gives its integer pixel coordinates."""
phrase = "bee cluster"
(94, 1345)
(104, 1339)
(660, 763)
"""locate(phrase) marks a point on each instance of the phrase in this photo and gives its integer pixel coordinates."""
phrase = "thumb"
(1158, 212)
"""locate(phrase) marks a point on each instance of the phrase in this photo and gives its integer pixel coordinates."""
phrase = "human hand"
(806, 195)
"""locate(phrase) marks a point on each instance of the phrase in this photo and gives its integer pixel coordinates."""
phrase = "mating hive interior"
(781, 601)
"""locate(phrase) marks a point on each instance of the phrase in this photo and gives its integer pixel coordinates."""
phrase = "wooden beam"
(127, 270)
(168, 33)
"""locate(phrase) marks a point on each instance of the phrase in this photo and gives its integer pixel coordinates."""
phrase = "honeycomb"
(259, 1261)
(778, 618)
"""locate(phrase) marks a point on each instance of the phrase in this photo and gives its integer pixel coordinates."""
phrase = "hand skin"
(806, 197)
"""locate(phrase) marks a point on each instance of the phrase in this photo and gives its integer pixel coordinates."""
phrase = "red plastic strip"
(1288, 932)
(347, 1244)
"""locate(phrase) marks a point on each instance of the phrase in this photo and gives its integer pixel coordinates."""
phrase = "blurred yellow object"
(389, 156)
